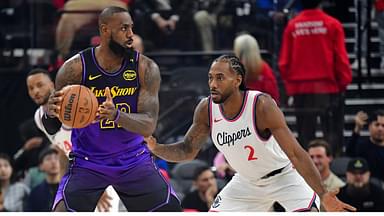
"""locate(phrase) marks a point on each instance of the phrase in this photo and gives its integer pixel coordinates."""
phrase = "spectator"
(372, 147)
(42, 196)
(12, 194)
(205, 191)
(321, 155)
(259, 75)
(379, 6)
(359, 191)
(223, 169)
(70, 23)
(315, 68)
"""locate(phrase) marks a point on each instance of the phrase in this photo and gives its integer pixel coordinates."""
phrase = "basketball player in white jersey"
(40, 86)
(250, 130)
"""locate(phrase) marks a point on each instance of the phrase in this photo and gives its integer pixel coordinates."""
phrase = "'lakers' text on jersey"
(106, 138)
(250, 154)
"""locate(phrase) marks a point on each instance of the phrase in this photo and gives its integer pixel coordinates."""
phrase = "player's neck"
(108, 60)
(232, 106)
(4, 184)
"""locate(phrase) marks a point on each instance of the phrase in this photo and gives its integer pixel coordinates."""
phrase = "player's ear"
(103, 28)
(239, 79)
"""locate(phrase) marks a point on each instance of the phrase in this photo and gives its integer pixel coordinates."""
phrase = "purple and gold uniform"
(105, 154)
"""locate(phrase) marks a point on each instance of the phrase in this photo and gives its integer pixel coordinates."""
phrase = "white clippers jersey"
(62, 138)
(249, 154)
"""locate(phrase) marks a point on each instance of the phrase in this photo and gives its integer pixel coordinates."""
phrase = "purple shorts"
(137, 181)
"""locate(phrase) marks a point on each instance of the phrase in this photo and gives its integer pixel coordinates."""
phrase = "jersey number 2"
(251, 155)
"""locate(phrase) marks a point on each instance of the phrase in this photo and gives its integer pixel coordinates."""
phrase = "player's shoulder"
(203, 105)
(147, 65)
(73, 61)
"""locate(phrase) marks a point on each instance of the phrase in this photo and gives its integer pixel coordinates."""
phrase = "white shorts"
(287, 188)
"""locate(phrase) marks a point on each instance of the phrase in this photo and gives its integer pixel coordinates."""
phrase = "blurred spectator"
(315, 68)
(320, 153)
(206, 21)
(27, 156)
(371, 148)
(359, 191)
(70, 23)
(12, 194)
(138, 43)
(223, 169)
(165, 24)
(379, 6)
(42, 196)
(259, 75)
(205, 191)
(363, 14)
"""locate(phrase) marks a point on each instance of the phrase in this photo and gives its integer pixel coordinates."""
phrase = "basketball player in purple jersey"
(111, 151)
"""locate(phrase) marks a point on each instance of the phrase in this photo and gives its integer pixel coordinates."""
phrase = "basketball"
(79, 106)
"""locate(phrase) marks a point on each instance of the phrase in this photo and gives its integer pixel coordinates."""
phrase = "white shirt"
(249, 154)
(61, 138)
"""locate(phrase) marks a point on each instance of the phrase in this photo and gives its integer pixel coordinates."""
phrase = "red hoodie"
(313, 57)
(266, 83)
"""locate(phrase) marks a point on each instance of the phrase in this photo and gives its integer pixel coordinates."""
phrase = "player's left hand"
(151, 142)
(107, 109)
(332, 204)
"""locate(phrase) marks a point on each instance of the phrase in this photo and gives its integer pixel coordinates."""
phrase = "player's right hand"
(54, 103)
(332, 204)
(151, 142)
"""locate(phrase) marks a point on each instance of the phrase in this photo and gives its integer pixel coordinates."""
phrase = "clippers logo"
(217, 202)
(129, 75)
(224, 138)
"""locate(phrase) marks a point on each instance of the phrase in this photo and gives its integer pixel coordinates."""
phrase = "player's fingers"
(108, 95)
(349, 207)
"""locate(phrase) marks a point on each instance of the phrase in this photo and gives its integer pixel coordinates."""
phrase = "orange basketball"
(79, 106)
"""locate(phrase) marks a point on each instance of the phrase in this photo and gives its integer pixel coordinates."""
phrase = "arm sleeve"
(51, 125)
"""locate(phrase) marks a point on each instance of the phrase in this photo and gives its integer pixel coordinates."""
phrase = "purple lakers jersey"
(106, 139)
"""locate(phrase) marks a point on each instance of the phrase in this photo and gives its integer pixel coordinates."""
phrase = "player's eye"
(124, 28)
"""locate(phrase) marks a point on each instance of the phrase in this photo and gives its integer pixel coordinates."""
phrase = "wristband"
(117, 116)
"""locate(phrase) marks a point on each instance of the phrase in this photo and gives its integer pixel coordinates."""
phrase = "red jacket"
(379, 5)
(266, 83)
(313, 58)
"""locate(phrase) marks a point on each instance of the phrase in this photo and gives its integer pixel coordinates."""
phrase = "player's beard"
(45, 100)
(119, 50)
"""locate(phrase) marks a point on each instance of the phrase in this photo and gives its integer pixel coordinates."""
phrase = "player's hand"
(332, 204)
(107, 109)
(151, 142)
(104, 204)
(54, 102)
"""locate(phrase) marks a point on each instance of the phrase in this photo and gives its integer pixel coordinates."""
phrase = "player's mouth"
(129, 43)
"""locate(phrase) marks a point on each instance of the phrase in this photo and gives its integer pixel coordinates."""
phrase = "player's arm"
(194, 139)
(270, 117)
(70, 73)
(144, 121)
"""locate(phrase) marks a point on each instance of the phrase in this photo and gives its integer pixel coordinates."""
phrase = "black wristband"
(51, 125)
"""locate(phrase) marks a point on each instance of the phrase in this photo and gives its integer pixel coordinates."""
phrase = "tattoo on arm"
(70, 73)
(193, 141)
(144, 121)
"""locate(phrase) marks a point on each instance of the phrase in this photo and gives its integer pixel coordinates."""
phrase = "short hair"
(200, 170)
(108, 12)
(235, 65)
(39, 71)
(6, 157)
(320, 143)
(310, 4)
(372, 116)
(247, 50)
(45, 152)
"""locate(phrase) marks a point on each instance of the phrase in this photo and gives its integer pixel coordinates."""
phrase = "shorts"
(141, 187)
(287, 188)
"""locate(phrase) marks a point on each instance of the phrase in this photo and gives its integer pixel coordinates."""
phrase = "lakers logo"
(129, 75)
